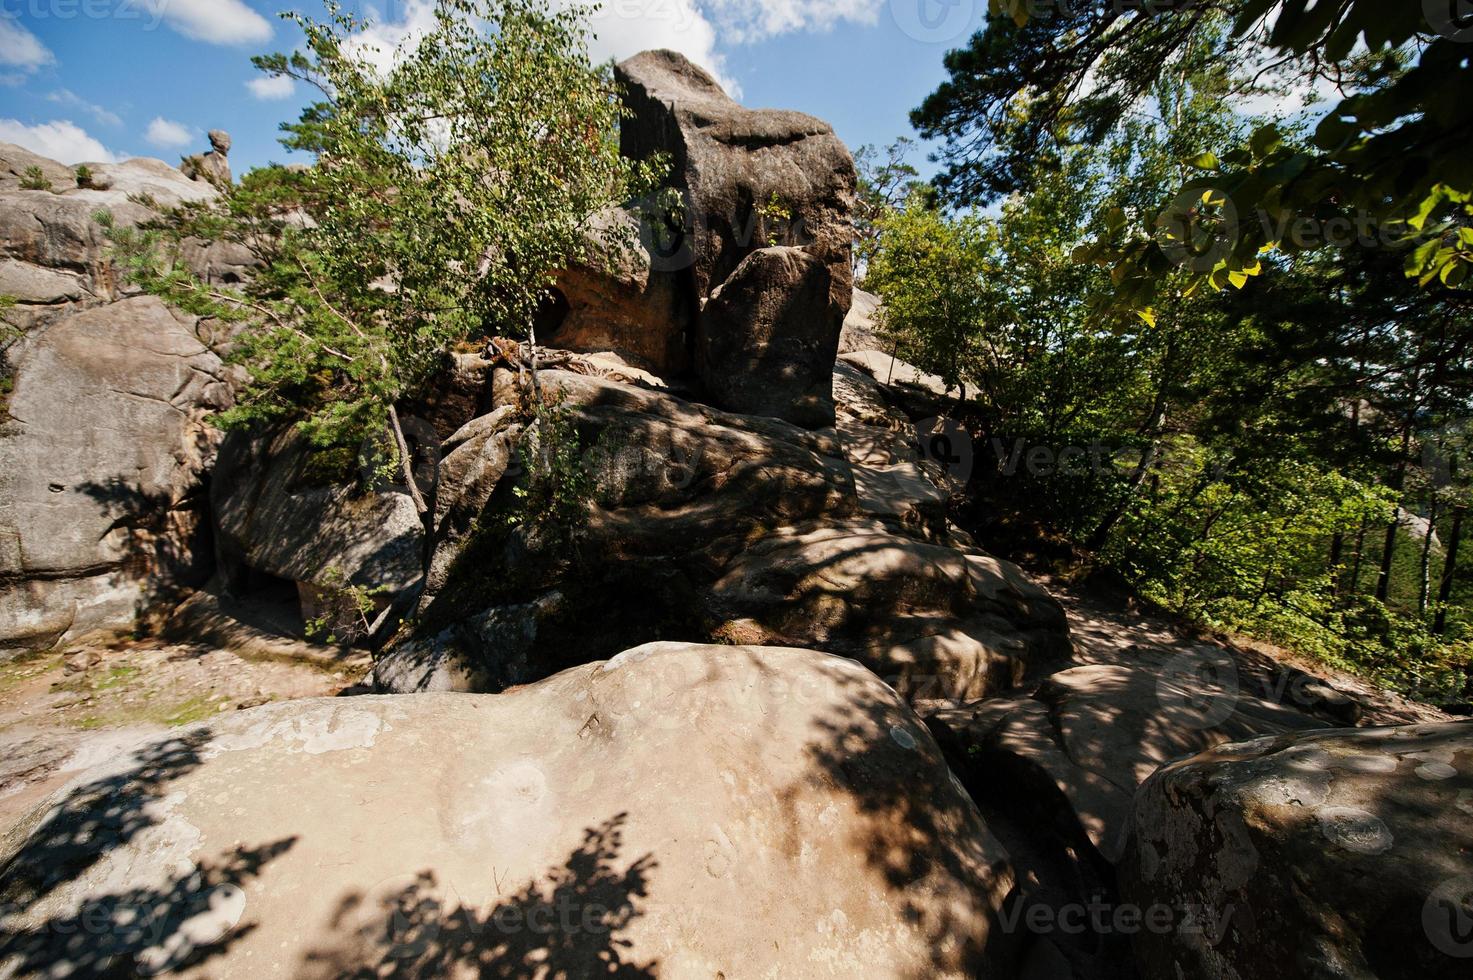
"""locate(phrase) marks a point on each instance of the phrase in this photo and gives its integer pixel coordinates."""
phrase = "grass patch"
(28, 665)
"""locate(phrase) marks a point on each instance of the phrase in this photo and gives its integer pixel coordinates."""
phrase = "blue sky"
(99, 79)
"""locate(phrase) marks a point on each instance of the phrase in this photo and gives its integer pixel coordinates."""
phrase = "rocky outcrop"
(766, 341)
(104, 452)
(1336, 854)
(705, 525)
(277, 515)
(750, 180)
(629, 302)
(213, 167)
(1094, 733)
(751, 177)
(340, 838)
(860, 330)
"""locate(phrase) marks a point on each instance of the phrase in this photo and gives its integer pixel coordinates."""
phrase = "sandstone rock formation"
(750, 180)
(631, 303)
(274, 516)
(709, 525)
(766, 343)
(105, 449)
(678, 811)
(1337, 854)
(213, 167)
(859, 325)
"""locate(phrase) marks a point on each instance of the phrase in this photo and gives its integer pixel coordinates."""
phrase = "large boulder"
(1093, 734)
(704, 525)
(860, 330)
(278, 514)
(624, 299)
(767, 339)
(818, 832)
(1332, 854)
(102, 460)
(740, 170)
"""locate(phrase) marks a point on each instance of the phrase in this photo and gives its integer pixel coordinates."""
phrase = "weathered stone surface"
(147, 177)
(33, 284)
(708, 525)
(891, 370)
(730, 162)
(16, 160)
(859, 325)
(274, 515)
(100, 468)
(766, 341)
(1331, 854)
(629, 304)
(341, 838)
(213, 167)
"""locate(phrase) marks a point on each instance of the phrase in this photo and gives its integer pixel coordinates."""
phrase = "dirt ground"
(62, 711)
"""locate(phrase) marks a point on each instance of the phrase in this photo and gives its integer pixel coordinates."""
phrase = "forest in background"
(1207, 328)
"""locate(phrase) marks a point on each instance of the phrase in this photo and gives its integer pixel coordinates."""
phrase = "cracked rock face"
(103, 455)
(646, 816)
(1332, 854)
(706, 525)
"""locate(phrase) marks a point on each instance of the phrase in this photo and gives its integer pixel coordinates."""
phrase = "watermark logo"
(1198, 229)
(933, 21)
(1200, 688)
(947, 444)
(1447, 917)
(1452, 19)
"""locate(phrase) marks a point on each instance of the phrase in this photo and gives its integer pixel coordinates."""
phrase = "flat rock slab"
(679, 811)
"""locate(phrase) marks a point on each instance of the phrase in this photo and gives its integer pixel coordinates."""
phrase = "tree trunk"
(1424, 571)
(1360, 554)
(1449, 569)
(1337, 555)
(1398, 483)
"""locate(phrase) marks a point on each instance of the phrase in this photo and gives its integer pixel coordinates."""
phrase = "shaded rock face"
(1336, 854)
(709, 525)
(631, 304)
(766, 342)
(275, 516)
(730, 161)
(103, 459)
(751, 180)
(814, 811)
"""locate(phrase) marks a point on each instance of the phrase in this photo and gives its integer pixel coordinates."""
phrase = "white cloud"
(20, 47)
(61, 141)
(212, 21)
(67, 97)
(742, 21)
(167, 133)
(620, 29)
(626, 27)
(270, 88)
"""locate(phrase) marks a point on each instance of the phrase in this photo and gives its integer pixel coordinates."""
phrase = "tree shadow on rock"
(180, 918)
(568, 928)
(922, 836)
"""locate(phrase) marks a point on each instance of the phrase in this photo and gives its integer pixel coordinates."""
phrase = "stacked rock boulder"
(752, 275)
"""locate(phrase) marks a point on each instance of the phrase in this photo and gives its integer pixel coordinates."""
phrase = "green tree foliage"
(1392, 155)
(1256, 459)
(452, 181)
(34, 179)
